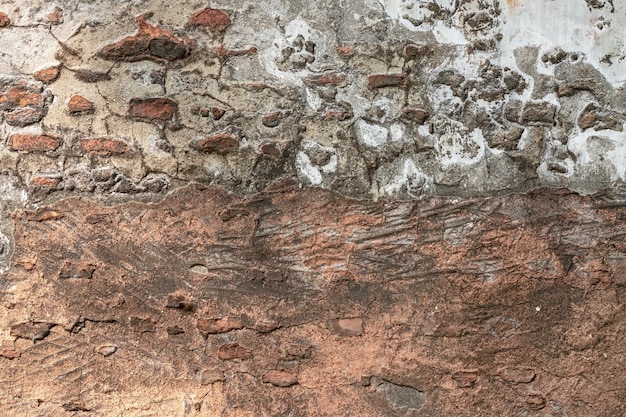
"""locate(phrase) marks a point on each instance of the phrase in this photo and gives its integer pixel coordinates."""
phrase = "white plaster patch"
(408, 177)
(456, 146)
(308, 170)
(371, 135)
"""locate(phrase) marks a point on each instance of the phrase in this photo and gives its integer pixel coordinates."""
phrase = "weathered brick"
(540, 112)
(105, 146)
(412, 51)
(56, 16)
(213, 20)
(328, 78)
(77, 270)
(160, 109)
(217, 113)
(221, 143)
(32, 330)
(416, 115)
(9, 353)
(47, 75)
(280, 378)
(224, 53)
(232, 351)
(270, 149)
(4, 20)
(272, 119)
(216, 326)
(150, 42)
(345, 51)
(140, 325)
(23, 103)
(518, 375)
(465, 379)
(33, 143)
(44, 182)
(266, 326)
(80, 105)
(386, 80)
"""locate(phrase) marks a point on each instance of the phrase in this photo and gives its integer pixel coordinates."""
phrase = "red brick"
(23, 104)
(159, 109)
(416, 115)
(272, 119)
(386, 80)
(80, 105)
(256, 87)
(214, 20)
(47, 75)
(104, 146)
(216, 326)
(4, 20)
(345, 51)
(329, 78)
(33, 143)
(150, 42)
(225, 53)
(45, 182)
(280, 378)
(221, 143)
(232, 351)
(10, 353)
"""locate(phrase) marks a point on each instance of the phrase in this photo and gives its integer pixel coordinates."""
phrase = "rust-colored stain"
(512, 3)
(304, 300)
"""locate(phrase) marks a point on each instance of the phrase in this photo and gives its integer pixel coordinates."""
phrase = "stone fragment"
(217, 113)
(159, 109)
(599, 119)
(216, 326)
(180, 302)
(151, 43)
(56, 16)
(400, 396)
(280, 378)
(47, 75)
(77, 270)
(536, 402)
(143, 325)
(211, 376)
(79, 105)
(42, 215)
(9, 353)
(539, 112)
(518, 375)
(298, 351)
(465, 379)
(75, 406)
(33, 143)
(221, 143)
(412, 51)
(386, 80)
(346, 327)
(89, 76)
(270, 149)
(213, 20)
(4, 20)
(32, 330)
(272, 119)
(104, 146)
(232, 351)
(266, 325)
(106, 350)
(174, 330)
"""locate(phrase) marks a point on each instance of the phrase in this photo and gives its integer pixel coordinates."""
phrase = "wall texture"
(292, 207)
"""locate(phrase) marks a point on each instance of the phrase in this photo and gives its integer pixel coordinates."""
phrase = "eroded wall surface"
(347, 207)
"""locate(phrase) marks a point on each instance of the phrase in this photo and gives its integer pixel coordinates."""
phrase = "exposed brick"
(272, 119)
(160, 109)
(23, 103)
(47, 75)
(256, 87)
(465, 379)
(33, 143)
(412, 51)
(4, 20)
(44, 182)
(600, 119)
(216, 326)
(42, 215)
(213, 20)
(32, 330)
(266, 326)
(80, 105)
(280, 378)
(328, 78)
(150, 42)
(9, 353)
(536, 402)
(232, 351)
(105, 146)
(345, 51)
(386, 80)
(416, 115)
(221, 143)
(225, 53)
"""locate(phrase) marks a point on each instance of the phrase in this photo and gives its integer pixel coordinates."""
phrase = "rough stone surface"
(365, 207)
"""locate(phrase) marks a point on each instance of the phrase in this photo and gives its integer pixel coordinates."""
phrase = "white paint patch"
(370, 135)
